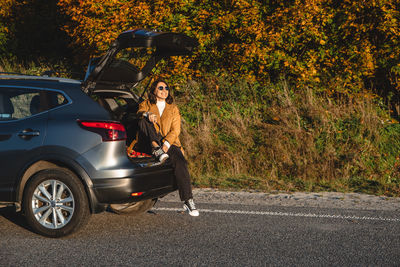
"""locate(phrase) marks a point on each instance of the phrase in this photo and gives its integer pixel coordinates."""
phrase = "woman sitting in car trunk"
(159, 130)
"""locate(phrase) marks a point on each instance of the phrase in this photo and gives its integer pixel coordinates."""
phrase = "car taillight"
(109, 131)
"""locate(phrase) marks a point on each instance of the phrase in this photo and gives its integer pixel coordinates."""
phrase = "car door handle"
(28, 133)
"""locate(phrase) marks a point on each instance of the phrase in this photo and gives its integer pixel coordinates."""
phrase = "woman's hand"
(152, 117)
(165, 148)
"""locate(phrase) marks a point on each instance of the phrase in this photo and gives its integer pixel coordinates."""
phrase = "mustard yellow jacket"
(169, 124)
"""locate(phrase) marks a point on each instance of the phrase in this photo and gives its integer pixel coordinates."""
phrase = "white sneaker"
(191, 208)
(160, 154)
(163, 157)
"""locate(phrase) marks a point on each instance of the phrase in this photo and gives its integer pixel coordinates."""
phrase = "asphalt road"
(223, 234)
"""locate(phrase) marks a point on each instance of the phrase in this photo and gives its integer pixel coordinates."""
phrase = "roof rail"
(4, 76)
(13, 73)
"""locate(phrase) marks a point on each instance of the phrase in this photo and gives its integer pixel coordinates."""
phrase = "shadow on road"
(14, 217)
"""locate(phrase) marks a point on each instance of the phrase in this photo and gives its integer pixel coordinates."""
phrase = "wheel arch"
(56, 162)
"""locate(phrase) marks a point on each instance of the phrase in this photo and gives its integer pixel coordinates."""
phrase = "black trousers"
(148, 134)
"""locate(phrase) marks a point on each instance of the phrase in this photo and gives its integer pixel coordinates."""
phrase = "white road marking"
(289, 214)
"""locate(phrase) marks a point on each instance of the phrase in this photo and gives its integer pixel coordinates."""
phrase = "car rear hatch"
(112, 70)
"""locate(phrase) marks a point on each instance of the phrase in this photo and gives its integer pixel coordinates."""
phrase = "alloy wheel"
(53, 204)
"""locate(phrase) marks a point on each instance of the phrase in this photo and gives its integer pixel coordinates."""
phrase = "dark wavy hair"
(152, 95)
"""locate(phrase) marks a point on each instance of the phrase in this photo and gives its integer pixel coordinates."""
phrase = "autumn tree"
(325, 44)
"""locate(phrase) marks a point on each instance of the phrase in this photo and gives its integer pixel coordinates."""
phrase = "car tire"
(133, 208)
(55, 203)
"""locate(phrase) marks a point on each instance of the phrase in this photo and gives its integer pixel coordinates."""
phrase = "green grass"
(274, 138)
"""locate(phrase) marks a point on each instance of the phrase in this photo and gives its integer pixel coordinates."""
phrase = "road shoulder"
(297, 199)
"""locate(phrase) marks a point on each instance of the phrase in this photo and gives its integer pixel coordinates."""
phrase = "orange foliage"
(230, 33)
(348, 40)
(5, 8)
(319, 41)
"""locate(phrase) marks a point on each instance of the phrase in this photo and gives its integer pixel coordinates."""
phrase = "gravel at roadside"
(297, 199)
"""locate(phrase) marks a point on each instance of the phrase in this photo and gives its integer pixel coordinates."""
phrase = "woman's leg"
(182, 175)
(148, 136)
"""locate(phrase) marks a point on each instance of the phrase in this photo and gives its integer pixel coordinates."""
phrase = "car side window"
(19, 103)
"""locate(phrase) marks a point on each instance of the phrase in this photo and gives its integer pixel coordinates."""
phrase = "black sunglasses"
(162, 88)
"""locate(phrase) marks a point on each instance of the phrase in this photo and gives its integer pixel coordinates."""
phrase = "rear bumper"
(152, 184)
